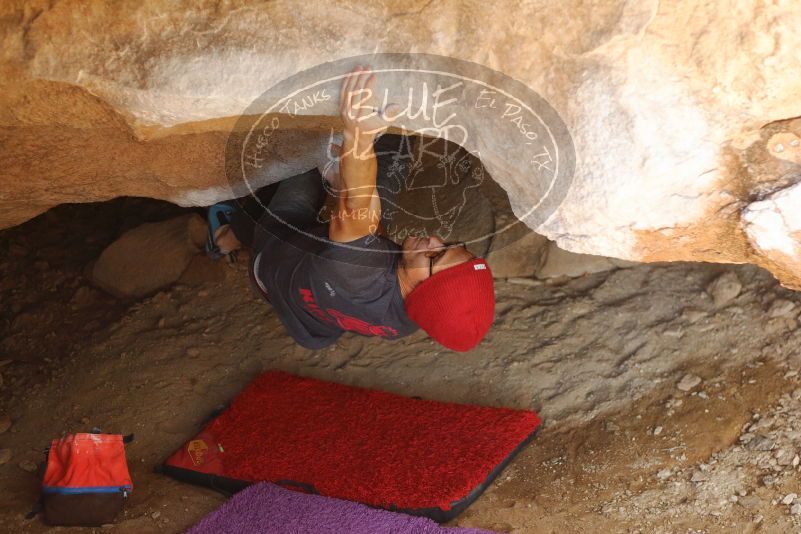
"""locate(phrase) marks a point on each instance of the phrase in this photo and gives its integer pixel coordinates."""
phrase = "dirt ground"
(601, 358)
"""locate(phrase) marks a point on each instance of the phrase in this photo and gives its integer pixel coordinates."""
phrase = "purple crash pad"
(265, 507)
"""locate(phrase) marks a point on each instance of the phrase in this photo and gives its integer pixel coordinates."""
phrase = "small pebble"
(693, 315)
(761, 443)
(664, 474)
(155, 515)
(789, 498)
(688, 382)
(795, 509)
(782, 308)
(779, 148)
(786, 458)
(27, 465)
(611, 427)
(657, 430)
(725, 288)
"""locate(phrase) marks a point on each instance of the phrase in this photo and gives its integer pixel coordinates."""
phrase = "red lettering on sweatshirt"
(342, 320)
(312, 307)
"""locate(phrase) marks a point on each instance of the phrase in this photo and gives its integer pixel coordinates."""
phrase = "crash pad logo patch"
(197, 450)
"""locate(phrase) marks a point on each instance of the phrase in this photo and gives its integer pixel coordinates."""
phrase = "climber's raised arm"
(358, 210)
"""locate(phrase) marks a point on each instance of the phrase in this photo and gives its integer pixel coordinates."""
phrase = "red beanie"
(456, 306)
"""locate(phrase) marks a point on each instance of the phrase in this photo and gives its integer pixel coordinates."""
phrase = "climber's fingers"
(367, 109)
(356, 97)
(347, 89)
(349, 84)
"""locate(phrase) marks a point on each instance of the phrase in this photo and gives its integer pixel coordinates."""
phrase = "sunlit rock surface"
(672, 106)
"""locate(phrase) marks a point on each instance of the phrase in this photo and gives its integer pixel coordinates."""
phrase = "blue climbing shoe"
(218, 215)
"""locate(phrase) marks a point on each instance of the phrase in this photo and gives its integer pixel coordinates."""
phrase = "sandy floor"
(623, 448)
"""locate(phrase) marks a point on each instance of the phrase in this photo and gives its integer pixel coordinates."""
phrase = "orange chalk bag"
(86, 480)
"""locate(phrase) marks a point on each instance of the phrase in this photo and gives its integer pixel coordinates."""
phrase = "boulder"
(673, 132)
(725, 288)
(149, 257)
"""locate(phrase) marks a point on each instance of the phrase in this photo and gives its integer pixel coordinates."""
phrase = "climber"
(346, 275)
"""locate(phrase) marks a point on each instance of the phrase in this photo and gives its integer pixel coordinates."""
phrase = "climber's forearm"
(359, 206)
(358, 170)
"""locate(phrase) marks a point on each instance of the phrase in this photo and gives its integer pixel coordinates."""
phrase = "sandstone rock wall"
(673, 106)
